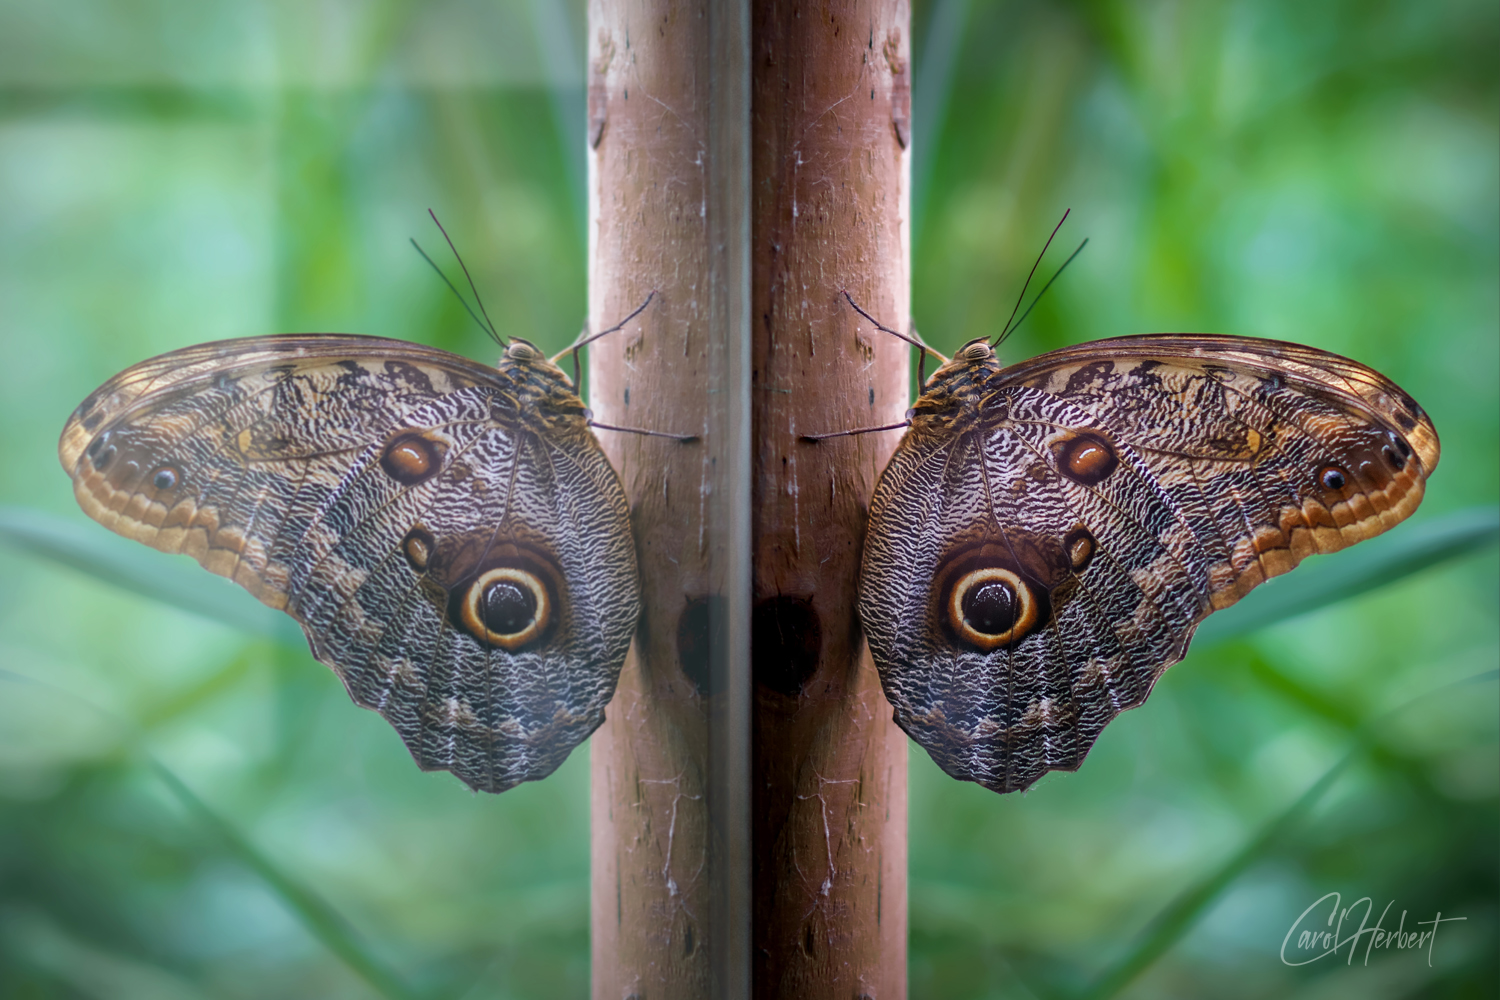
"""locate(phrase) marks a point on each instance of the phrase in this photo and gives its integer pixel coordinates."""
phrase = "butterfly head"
(522, 350)
(976, 351)
(975, 358)
(523, 354)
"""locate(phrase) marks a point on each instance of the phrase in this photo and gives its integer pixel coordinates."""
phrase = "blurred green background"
(189, 809)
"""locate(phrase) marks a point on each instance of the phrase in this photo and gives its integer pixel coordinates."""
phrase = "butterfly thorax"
(951, 400)
(539, 393)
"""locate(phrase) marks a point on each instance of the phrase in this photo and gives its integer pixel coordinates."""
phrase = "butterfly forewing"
(1047, 537)
(450, 536)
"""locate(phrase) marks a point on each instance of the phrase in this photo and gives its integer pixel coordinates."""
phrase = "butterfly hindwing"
(1047, 537)
(450, 536)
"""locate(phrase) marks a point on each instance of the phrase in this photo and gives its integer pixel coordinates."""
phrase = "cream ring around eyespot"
(1023, 622)
(473, 614)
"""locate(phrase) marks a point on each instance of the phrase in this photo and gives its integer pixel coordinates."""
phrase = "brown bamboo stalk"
(830, 127)
(670, 802)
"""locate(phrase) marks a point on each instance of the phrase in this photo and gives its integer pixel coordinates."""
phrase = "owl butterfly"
(449, 535)
(1047, 536)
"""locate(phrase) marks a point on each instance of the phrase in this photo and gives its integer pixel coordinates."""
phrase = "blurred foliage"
(191, 809)
(1317, 172)
(178, 172)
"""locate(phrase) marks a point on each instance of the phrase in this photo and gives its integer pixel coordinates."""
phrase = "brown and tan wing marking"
(458, 552)
(1048, 536)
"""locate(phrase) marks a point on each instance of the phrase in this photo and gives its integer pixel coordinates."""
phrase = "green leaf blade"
(1376, 563)
(142, 570)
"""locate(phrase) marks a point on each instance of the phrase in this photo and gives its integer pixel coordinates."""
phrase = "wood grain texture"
(649, 134)
(830, 119)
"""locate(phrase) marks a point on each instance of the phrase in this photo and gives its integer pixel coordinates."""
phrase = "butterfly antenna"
(1005, 332)
(469, 277)
(1039, 295)
(489, 330)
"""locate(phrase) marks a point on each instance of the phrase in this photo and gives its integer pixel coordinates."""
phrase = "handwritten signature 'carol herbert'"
(1328, 941)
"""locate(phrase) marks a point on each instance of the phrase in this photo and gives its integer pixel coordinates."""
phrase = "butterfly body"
(449, 535)
(1047, 536)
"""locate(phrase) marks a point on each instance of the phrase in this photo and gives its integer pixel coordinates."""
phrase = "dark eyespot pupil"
(164, 479)
(508, 607)
(1403, 447)
(1333, 479)
(101, 462)
(1392, 459)
(990, 608)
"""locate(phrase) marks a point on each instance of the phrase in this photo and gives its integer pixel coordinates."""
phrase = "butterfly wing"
(1036, 559)
(463, 562)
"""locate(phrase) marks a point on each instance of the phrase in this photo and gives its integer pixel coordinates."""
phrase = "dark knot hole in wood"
(786, 639)
(702, 628)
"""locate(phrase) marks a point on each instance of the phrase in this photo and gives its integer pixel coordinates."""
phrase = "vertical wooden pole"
(824, 111)
(668, 133)
(831, 101)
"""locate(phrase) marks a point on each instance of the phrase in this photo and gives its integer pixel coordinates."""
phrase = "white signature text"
(1311, 938)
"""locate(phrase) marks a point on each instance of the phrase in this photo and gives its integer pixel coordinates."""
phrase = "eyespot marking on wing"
(506, 606)
(1080, 545)
(258, 458)
(992, 606)
(417, 546)
(101, 452)
(1246, 457)
(1086, 458)
(413, 458)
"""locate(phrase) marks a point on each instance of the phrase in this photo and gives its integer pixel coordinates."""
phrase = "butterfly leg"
(681, 438)
(815, 438)
(913, 338)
